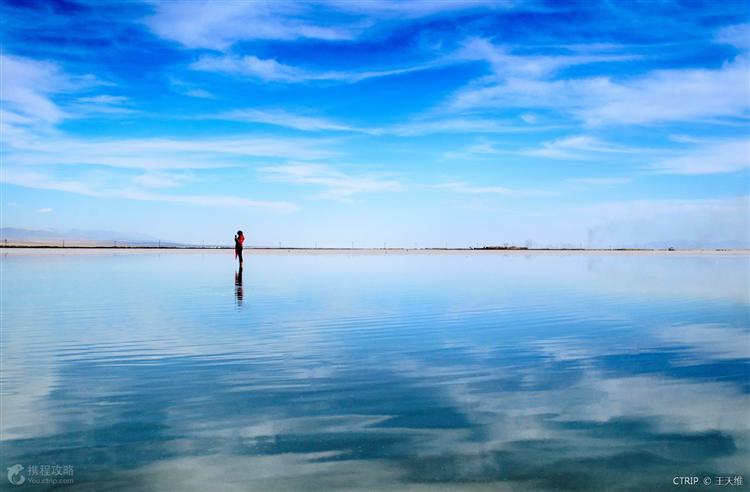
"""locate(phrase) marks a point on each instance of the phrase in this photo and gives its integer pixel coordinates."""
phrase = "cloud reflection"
(377, 378)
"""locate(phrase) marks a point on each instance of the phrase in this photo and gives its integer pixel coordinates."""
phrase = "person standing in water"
(239, 238)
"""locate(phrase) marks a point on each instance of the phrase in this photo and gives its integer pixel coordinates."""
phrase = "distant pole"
(63, 243)
(115, 243)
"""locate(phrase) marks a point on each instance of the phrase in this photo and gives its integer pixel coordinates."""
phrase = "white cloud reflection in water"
(398, 372)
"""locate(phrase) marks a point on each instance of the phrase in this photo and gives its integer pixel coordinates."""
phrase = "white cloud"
(271, 70)
(481, 149)
(253, 66)
(158, 153)
(27, 86)
(187, 89)
(715, 158)
(462, 187)
(218, 25)
(423, 126)
(162, 180)
(337, 184)
(658, 96)
(45, 210)
(103, 99)
(598, 181)
(737, 35)
(102, 104)
(29, 138)
(579, 147)
(395, 9)
(284, 119)
(212, 201)
(28, 89)
(503, 63)
(438, 124)
(200, 93)
(97, 187)
(506, 65)
(673, 95)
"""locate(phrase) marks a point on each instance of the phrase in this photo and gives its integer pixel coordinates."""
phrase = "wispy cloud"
(672, 95)
(211, 200)
(506, 65)
(395, 9)
(103, 104)
(45, 210)
(160, 153)
(271, 70)
(737, 35)
(97, 187)
(579, 147)
(163, 179)
(466, 188)
(481, 149)
(278, 117)
(200, 93)
(336, 184)
(658, 96)
(598, 182)
(29, 91)
(27, 87)
(426, 125)
(103, 99)
(187, 89)
(219, 25)
(434, 123)
(30, 137)
(714, 158)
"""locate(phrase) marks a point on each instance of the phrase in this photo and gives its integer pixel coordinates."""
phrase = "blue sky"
(409, 123)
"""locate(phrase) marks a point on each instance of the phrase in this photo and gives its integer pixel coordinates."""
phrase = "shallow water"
(375, 372)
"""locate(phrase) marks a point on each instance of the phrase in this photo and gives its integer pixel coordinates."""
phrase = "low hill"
(78, 237)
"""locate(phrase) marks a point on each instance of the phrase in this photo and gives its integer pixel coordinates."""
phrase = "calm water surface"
(375, 372)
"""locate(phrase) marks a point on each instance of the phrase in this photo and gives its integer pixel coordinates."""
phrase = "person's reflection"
(238, 286)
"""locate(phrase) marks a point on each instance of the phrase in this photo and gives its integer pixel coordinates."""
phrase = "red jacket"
(238, 240)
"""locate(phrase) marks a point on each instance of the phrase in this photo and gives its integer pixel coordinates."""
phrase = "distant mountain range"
(73, 237)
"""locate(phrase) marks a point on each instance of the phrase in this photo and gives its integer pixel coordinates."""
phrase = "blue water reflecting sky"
(376, 372)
